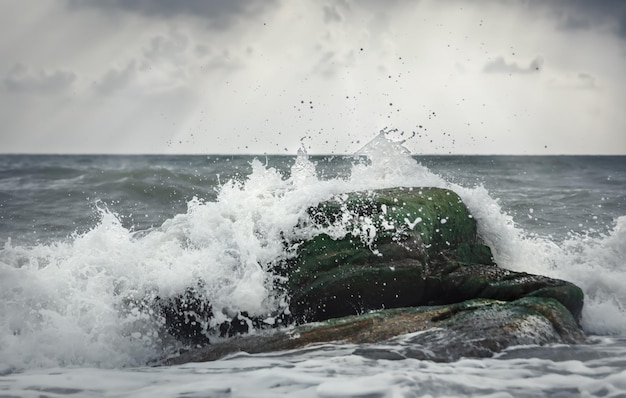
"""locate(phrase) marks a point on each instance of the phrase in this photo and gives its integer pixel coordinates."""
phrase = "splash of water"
(87, 301)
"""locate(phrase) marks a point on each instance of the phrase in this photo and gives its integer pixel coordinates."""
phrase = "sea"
(88, 241)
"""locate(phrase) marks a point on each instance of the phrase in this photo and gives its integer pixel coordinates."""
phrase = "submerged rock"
(474, 328)
(409, 260)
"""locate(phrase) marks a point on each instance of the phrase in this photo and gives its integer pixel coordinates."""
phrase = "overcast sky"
(271, 76)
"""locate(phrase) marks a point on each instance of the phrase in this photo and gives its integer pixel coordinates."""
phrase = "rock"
(404, 261)
(187, 317)
(474, 328)
(410, 247)
(480, 328)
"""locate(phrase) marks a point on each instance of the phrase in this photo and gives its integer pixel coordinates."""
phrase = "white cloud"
(257, 76)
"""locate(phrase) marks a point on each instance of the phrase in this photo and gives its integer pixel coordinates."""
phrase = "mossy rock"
(478, 281)
(399, 268)
(394, 239)
(403, 247)
(436, 218)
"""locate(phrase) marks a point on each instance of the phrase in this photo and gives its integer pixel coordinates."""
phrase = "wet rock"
(187, 315)
(407, 262)
(404, 247)
(480, 328)
(474, 328)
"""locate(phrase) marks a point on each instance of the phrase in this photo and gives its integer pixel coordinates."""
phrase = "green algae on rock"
(403, 247)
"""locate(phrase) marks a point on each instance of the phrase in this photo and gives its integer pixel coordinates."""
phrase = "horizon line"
(287, 154)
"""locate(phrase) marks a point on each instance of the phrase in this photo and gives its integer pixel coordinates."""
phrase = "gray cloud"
(177, 60)
(217, 13)
(587, 80)
(117, 79)
(170, 48)
(202, 50)
(331, 14)
(327, 64)
(332, 11)
(585, 14)
(499, 65)
(222, 61)
(579, 81)
(23, 79)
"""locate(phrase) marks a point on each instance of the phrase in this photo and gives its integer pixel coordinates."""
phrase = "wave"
(86, 301)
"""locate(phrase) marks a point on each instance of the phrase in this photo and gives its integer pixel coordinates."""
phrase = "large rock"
(390, 262)
(405, 247)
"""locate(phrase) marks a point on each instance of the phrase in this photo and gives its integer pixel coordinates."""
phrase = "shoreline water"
(77, 232)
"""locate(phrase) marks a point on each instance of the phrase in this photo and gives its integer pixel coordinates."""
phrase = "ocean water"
(88, 241)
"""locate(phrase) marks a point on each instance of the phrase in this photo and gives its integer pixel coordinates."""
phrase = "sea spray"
(89, 300)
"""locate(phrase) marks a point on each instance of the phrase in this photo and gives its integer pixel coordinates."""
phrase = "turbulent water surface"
(89, 241)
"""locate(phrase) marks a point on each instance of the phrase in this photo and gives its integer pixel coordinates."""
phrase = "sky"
(272, 76)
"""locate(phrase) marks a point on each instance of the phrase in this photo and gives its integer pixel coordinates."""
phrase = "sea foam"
(86, 301)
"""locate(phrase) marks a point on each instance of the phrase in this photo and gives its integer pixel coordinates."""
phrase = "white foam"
(334, 371)
(84, 301)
